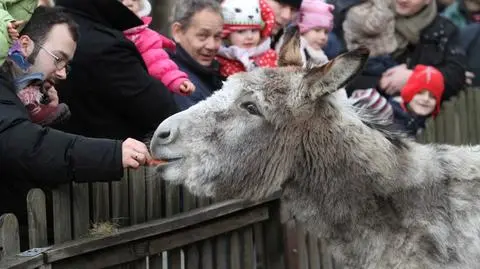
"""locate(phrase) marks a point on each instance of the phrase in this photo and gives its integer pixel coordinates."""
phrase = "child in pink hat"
(313, 24)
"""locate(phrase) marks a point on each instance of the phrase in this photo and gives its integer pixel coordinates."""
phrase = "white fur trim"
(147, 9)
(244, 55)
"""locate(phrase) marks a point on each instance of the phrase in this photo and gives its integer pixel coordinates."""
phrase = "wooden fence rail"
(194, 233)
(149, 204)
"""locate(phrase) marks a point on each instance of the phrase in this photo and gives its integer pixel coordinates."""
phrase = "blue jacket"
(206, 80)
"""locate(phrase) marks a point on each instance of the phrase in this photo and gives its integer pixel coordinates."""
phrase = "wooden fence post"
(37, 218)
(62, 221)
(9, 235)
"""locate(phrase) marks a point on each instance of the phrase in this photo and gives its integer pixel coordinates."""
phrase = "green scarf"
(407, 29)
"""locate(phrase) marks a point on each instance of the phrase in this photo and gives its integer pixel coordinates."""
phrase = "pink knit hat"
(315, 13)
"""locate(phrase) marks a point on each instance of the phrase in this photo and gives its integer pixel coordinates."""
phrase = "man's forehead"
(207, 20)
(60, 40)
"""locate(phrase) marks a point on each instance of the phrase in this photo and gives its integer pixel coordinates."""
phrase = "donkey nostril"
(250, 16)
(164, 135)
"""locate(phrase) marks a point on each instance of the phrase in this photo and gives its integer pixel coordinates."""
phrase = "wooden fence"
(164, 226)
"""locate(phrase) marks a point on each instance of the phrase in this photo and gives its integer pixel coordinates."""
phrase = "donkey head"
(245, 140)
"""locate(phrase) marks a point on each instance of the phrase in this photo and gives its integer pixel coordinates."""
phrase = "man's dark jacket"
(32, 156)
(109, 90)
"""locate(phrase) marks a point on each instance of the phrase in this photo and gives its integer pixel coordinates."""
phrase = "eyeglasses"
(59, 63)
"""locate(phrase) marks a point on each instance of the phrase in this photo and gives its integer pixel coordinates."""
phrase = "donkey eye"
(238, 10)
(251, 108)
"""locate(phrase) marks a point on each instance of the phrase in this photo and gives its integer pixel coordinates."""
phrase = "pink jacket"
(151, 46)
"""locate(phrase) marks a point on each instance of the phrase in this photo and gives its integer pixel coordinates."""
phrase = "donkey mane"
(379, 199)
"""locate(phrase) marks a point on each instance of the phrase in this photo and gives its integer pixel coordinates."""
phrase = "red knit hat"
(424, 78)
(242, 15)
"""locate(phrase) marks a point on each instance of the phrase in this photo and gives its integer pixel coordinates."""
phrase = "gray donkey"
(380, 200)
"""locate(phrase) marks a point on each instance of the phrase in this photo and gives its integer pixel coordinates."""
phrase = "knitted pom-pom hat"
(424, 78)
(247, 14)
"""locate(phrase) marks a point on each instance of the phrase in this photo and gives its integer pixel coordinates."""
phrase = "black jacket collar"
(110, 13)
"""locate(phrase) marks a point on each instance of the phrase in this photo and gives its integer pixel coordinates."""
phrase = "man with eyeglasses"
(110, 91)
(33, 156)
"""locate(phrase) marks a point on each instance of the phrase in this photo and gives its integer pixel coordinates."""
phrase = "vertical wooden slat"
(81, 209)
(138, 209)
(62, 223)
(101, 202)
(247, 248)
(462, 109)
(207, 254)
(192, 257)
(440, 128)
(9, 235)
(275, 238)
(173, 196)
(472, 116)
(325, 256)
(258, 237)
(137, 193)
(451, 125)
(221, 251)
(154, 195)
(37, 218)
(313, 257)
(154, 208)
(476, 115)
(430, 133)
(207, 250)
(192, 252)
(120, 201)
(302, 246)
(235, 254)
(291, 245)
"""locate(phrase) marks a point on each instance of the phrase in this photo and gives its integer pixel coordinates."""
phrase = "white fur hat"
(146, 10)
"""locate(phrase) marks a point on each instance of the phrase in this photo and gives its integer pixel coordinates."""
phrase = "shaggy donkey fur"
(381, 201)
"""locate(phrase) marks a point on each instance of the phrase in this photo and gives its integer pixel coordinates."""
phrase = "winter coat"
(234, 59)
(151, 45)
(405, 121)
(109, 90)
(32, 156)
(10, 10)
(438, 47)
(206, 79)
(470, 41)
(458, 14)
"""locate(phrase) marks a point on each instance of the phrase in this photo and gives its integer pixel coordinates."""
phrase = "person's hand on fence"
(134, 153)
(469, 76)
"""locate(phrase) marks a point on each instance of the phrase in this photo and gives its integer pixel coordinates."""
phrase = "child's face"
(423, 103)
(317, 38)
(134, 5)
(245, 38)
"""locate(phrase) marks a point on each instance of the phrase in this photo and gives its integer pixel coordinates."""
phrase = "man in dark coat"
(33, 156)
(109, 90)
(470, 39)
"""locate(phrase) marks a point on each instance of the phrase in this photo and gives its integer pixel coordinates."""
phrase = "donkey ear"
(334, 75)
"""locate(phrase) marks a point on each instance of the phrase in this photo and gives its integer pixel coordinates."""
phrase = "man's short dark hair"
(41, 23)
